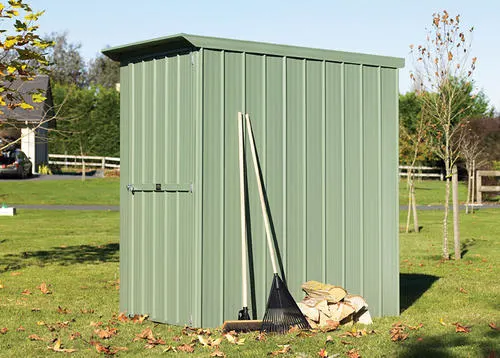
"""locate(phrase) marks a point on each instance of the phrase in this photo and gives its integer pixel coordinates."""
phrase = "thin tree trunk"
(83, 165)
(414, 204)
(456, 229)
(473, 190)
(446, 255)
(409, 184)
(469, 184)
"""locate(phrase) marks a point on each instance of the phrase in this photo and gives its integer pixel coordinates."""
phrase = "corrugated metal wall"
(159, 272)
(326, 135)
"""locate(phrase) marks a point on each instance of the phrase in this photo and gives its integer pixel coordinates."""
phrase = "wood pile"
(326, 305)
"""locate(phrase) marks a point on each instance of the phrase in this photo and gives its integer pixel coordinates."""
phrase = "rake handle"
(243, 213)
(261, 195)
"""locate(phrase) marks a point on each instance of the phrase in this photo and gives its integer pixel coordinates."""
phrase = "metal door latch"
(160, 188)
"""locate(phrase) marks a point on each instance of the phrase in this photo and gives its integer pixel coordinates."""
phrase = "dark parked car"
(15, 163)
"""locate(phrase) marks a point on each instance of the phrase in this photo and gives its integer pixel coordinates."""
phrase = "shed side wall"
(326, 135)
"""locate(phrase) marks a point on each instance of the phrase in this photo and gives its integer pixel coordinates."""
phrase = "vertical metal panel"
(372, 215)
(334, 174)
(213, 232)
(314, 171)
(390, 205)
(353, 174)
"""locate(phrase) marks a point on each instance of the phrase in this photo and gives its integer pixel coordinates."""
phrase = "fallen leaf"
(217, 353)
(75, 335)
(176, 338)
(1, 286)
(102, 348)
(203, 341)
(34, 337)
(417, 327)
(146, 334)
(139, 318)
(106, 333)
(62, 310)
(35, 309)
(87, 311)
(4, 330)
(20, 329)
(461, 329)
(44, 288)
(329, 339)
(397, 332)
(493, 326)
(170, 349)
(323, 353)
(442, 322)
(330, 326)
(57, 347)
(122, 317)
(188, 348)
(285, 349)
(353, 353)
(95, 324)
(234, 339)
(40, 323)
(26, 292)
(463, 290)
(294, 329)
(346, 342)
(261, 337)
(15, 273)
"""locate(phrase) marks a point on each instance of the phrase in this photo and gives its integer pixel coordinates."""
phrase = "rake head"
(282, 311)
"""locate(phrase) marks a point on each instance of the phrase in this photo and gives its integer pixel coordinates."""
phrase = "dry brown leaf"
(461, 329)
(122, 317)
(1, 286)
(176, 338)
(353, 353)
(15, 273)
(261, 337)
(284, 349)
(44, 288)
(35, 309)
(62, 310)
(187, 348)
(330, 326)
(294, 329)
(234, 339)
(493, 326)
(346, 342)
(217, 353)
(146, 334)
(20, 329)
(139, 318)
(329, 339)
(170, 349)
(106, 333)
(4, 330)
(85, 310)
(417, 327)
(397, 332)
(35, 337)
(57, 347)
(75, 335)
(96, 324)
(100, 348)
(26, 292)
(463, 290)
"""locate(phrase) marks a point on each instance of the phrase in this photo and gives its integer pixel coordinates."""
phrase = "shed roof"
(182, 42)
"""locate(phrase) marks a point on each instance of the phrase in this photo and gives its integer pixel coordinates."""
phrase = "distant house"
(31, 125)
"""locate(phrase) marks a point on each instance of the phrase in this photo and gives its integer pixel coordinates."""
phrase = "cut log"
(331, 293)
(363, 317)
(322, 306)
(313, 324)
(312, 302)
(357, 302)
(340, 311)
(310, 312)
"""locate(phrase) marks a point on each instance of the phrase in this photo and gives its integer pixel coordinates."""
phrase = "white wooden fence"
(90, 161)
(480, 188)
(421, 172)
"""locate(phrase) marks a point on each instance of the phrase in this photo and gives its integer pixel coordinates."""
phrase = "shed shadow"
(61, 256)
(412, 286)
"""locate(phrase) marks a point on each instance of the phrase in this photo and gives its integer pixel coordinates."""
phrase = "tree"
(19, 60)
(66, 63)
(444, 71)
(104, 72)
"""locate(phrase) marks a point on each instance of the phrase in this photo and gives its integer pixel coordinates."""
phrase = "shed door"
(161, 138)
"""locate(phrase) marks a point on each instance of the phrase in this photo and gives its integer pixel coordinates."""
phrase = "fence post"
(479, 195)
(103, 163)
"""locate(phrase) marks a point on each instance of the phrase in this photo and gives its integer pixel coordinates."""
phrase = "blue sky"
(377, 27)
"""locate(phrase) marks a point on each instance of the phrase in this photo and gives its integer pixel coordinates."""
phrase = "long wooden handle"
(243, 214)
(261, 195)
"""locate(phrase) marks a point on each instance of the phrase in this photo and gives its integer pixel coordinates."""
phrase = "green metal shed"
(326, 129)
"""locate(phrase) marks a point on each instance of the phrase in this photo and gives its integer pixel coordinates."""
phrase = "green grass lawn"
(430, 192)
(61, 192)
(76, 254)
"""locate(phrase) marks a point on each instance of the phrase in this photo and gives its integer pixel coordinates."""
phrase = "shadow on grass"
(442, 346)
(412, 286)
(61, 256)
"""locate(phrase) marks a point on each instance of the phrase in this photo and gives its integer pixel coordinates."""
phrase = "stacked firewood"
(325, 304)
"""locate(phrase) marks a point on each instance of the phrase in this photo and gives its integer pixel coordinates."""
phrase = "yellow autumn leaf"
(11, 69)
(1, 6)
(1, 285)
(9, 43)
(38, 98)
(2, 101)
(442, 322)
(25, 105)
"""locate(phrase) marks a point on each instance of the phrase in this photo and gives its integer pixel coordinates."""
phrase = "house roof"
(39, 84)
(182, 42)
